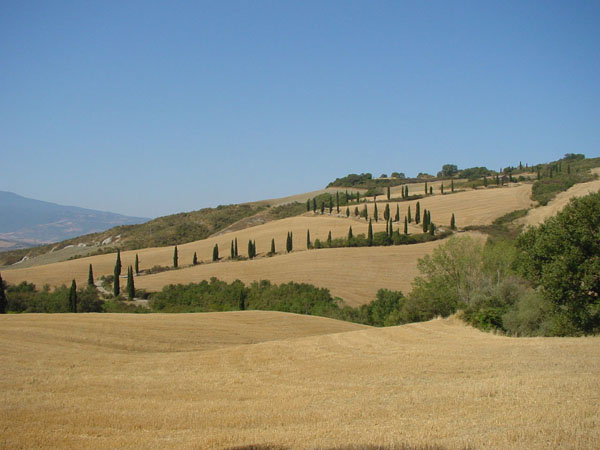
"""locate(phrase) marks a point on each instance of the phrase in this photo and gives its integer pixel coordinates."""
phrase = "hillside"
(198, 381)
(33, 222)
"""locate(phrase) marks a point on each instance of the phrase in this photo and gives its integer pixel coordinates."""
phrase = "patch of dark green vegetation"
(287, 210)
(503, 227)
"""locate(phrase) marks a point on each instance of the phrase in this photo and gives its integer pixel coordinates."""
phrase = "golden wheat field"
(221, 380)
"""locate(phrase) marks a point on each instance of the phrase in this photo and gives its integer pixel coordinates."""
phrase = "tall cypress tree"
(272, 246)
(370, 234)
(329, 238)
(91, 277)
(432, 228)
(389, 193)
(386, 212)
(232, 251)
(308, 205)
(405, 225)
(118, 263)
(130, 284)
(235, 247)
(350, 235)
(215, 253)
(322, 207)
(426, 188)
(314, 205)
(376, 213)
(347, 199)
(365, 212)
(430, 190)
(117, 273)
(337, 201)
(137, 265)
(330, 205)
(425, 221)
(175, 258)
(391, 228)
(418, 213)
(3, 299)
(453, 222)
(347, 212)
(357, 196)
(452, 185)
(73, 297)
(250, 252)
(397, 218)
(356, 212)
(287, 243)
(291, 241)
(407, 191)
(195, 259)
(442, 188)
(409, 215)
(308, 243)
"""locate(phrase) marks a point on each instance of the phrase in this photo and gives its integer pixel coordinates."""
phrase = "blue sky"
(150, 108)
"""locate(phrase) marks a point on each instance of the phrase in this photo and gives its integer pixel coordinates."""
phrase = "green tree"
(118, 262)
(329, 239)
(116, 275)
(485, 181)
(322, 207)
(448, 170)
(195, 259)
(391, 228)
(232, 250)
(347, 212)
(426, 188)
(562, 256)
(389, 193)
(409, 215)
(453, 222)
(215, 256)
(3, 300)
(288, 243)
(397, 217)
(442, 188)
(370, 234)
(418, 213)
(91, 276)
(130, 284)
(337, 201)
(406, 190)
(350, 235)
(175, 258)
(405, 225)
(356, 212)
(375, 212)
(431, 228)
(73, 297)
(137, 265)
(308, 243)
(235, 247)
(430, 190)
(308, 205)
(314, 202)
(386, 212)
(250, 249)
(330, 205)
(425, 221)
(272, 246)
(452, 185)
(365, 212)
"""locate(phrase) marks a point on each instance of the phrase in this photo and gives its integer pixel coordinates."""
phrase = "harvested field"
(538, 215)
(354, 274)
(67, 384)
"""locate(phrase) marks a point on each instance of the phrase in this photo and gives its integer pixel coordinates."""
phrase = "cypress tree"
(386, 212)
(215, 253)
(376, 213)
(391, 228)
(418, 213)
(118, 263)
(452, 185)
(117, 273)
(330, 205)
(337, 201)
(287, 243)
(442, 188)
(195, 259)
(3, 300)
(347, 212)
(137, 265)
(235, 247)
(91, 277)
(357, 196)
(431, 228)
(365, 212)
(329, 238)
(308, 205)
(322, 207)
(250, 252)
(405, 225)
(291, 240)
(520, 165)
(308, 243)
(232, 251)
(406, 191)
(175, 258)
(389, 193)
(430, 190)
(315, 205)
(370, 234)
(498, 178)
(426, 188)
(425, 222)
(409, 215)
(347, 199)
(350, 235)
(130, 285)
(397, 218)
(453, 222)
(356, 212)
(272, 246)
(73, 297)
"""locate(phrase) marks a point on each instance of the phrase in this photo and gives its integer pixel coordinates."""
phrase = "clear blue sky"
(149, 108)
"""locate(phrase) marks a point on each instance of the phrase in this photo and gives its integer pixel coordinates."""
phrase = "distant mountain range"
(25, 222)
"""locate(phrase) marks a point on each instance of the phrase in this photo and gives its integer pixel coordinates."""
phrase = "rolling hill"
(275, 380)
(34, 222)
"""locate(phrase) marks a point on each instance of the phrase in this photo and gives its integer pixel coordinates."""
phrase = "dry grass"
(538, 215)
(432, 385)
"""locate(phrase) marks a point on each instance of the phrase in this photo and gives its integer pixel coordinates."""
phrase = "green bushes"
(25, 297)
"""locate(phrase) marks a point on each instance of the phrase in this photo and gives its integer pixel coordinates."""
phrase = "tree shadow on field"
(348, 447)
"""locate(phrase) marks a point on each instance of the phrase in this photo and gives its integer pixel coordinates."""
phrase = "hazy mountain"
(27, 221)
